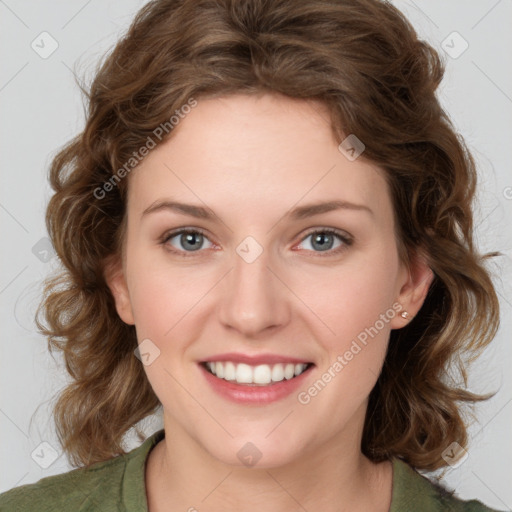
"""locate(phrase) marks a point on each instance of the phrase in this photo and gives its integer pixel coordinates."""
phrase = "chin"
(256, 452)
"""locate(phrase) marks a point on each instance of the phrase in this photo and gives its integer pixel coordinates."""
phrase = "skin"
(250, 159)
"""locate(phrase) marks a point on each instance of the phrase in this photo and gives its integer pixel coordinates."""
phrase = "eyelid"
(338, 232)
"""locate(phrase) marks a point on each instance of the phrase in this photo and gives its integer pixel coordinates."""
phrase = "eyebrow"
(301, 212)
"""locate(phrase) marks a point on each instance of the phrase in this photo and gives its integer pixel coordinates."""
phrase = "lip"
(255, 395)
(254, 360)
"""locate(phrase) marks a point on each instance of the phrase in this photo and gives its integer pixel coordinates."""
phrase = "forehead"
(252, 152)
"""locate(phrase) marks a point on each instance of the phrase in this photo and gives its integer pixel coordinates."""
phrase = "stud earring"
(404, 314)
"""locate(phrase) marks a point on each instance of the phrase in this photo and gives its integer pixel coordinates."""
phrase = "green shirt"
(118, 484)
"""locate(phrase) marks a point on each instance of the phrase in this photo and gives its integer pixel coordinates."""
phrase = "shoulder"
(413, 491)
(66, 491)
(108, 485)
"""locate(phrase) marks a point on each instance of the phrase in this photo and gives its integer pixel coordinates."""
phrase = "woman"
(265, 228)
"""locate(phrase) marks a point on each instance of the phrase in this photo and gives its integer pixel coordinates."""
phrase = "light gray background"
(41, 109)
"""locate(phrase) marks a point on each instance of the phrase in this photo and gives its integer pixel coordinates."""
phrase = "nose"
(253, 299)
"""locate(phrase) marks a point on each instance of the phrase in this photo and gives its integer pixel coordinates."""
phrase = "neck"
(335, 476)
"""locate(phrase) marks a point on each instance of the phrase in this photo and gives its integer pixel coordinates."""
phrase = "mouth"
(255, 375)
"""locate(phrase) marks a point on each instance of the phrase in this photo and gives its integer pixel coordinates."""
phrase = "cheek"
(351, 300)
(154, 306)
(165, 302)
(356, 303)
(162, 295)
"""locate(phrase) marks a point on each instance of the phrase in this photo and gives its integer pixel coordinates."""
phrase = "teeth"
(229, 370)
(289, 371)
(277, 374)
(243, 374)
(262, 374)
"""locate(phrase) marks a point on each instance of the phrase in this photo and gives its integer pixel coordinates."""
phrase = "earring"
(404, 314)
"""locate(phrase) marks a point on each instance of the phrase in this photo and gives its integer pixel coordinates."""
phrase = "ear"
(414, 289)
(115, 278)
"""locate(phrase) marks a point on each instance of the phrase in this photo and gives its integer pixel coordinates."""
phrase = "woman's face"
(268, 280)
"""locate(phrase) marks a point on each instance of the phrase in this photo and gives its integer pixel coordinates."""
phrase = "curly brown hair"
(364, 61)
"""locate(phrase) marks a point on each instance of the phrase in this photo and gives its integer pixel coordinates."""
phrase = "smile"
(255, 380)
(259, 375)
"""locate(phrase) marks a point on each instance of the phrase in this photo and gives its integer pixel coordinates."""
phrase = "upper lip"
(255, 359)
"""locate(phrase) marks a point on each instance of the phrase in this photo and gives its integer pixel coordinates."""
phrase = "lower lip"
(246, 394)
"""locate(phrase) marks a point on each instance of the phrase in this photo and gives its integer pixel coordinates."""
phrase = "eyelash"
(343, 237)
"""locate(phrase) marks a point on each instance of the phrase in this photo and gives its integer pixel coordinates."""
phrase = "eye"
(326, 240)
(185, 240)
